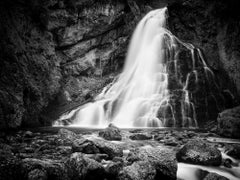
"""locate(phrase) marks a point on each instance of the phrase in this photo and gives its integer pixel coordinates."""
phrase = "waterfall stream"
(141, 96)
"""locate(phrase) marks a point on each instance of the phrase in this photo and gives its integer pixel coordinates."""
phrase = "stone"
(137, 171)
(140, 136)
(67, 135)
(97, 157)
(227, 163)
(85, 146)
(82, 167)
(28, 134)
(229, 123)
(199, 152)
(53, 169)
(171, 143)
(233, 151)
(10, 166)
(162, 159)
(111, 133)
(64, 149)
(37, 174)
(109, 148)
(112, 169)
(214, 176)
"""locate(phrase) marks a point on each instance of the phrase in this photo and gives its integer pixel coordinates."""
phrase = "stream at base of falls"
(157, 138)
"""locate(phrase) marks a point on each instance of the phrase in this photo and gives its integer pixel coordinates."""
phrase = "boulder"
(10, 166)
(81, 167)
(37, 174)
(112, 169)
(111, 133)
(97, 157)
(93, 146)
(44, 169)
(138, 171)
(66, 137)
(66, 134)
(229, 123)
(140, 136)
(28, 134)
(214, 176)
(162, 159)
(233, 151)
(199, 152)
(109, 148)
(85, 146)
(64, 149)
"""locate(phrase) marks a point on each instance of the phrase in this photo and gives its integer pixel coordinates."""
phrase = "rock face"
(57, 49)
(30, 69)
(58, 54)
(193, 22)
(229, 123)
(197, 152)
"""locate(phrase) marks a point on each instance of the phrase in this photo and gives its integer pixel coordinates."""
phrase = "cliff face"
(30, 69)
(212, 27)
(57, 54)
(58, 51)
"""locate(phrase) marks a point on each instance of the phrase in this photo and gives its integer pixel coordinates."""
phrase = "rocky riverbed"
(134, 154)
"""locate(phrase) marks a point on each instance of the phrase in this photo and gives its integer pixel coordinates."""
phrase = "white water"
(135, 98)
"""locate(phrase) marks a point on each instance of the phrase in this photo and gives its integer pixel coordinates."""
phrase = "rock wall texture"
(212, 27)
(57, 54)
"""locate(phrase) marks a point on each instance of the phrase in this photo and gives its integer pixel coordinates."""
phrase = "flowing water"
(140, 96)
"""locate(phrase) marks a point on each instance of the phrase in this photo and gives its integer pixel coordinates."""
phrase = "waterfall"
(142, 96)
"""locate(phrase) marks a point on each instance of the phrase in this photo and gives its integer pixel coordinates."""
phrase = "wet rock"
(28, 134)
(85, 146)
(5, 149)
(10, 165)
(111, 133)
(118, 159)
(97, 157)
(137, 171)
(227, 163)
(112, 169)
(37, 174)
(199, 152)
(171, 143)
(159, 137)
(64, 149)
(229, 123)
(66, 134)
(191, 134)
(136, 131)
(54, 169)
(109, 148)
(82, 167)
(60, 18)
(140, 136)
(234, 151)
(214, 176)
(162, 159)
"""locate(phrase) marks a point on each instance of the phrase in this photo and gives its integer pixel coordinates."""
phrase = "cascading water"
(142, 95)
